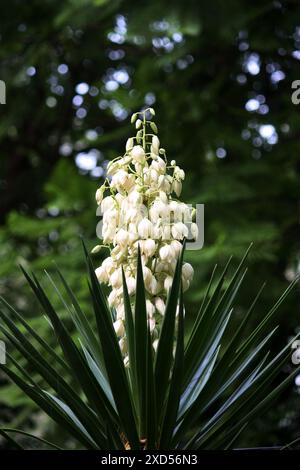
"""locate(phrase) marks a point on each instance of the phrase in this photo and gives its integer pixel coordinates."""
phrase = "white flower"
(135, 197)
(120, 312)
(163, 197)
(160, 305)
(138, 154)
(150, 308)
(108, 264)
(122, 237)
(158, 209)
(185, 284)
(155, 144)
(152, 285)
(131, 285)
(108, 233)
(119, 327)
(116, 278)
(101, 274)
(99, 195)
(179, 173)
(168, 283)
(145, 228)
(167, 252)
(149, 247)
(122, 180)
(113, 299)
(111, 215)
(112, 167)
(164, 184)
(179, 230)
(177, 187)
(107, 203)
(194, 230)
(129, 144)
(176, 209)
(177, 247)
(187, 271)
(147, 274)
(152, 324)
(159, 165)
(123, 345)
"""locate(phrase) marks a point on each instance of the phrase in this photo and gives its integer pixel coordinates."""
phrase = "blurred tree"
(219, 76)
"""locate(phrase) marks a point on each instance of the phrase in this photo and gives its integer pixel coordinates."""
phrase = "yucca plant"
(202, 395)
(138, 380)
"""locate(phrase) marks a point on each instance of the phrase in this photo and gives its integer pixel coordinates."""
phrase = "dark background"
(219, 76)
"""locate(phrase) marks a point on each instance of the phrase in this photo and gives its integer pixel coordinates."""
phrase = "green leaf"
(163, 362)
(141, 347)
(36, 438)
(173, 399)
(75, 359)
(113, 359)
(53, 378)
(12, 441)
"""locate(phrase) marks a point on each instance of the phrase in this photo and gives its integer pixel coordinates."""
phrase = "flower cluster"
(140, 208)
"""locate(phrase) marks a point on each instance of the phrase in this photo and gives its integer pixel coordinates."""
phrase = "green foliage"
(201, 396)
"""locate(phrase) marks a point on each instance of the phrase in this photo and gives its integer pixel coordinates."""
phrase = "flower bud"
(155, 144)
(138, 123)
(96, 249)
(112, 167)
(129, 144)
(99, 194)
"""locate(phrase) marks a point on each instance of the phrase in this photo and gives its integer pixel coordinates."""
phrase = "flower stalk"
(140, 207)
